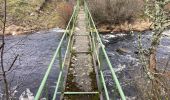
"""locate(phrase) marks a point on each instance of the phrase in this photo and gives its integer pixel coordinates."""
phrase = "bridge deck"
(81, 75)
(83, 57)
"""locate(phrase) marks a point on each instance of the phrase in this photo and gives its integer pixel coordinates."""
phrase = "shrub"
(65, 10)
(115, 11)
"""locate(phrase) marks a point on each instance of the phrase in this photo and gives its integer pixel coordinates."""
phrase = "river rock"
(27, 95)
(123, 50)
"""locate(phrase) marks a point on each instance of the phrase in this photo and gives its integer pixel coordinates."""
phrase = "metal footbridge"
(81, 75)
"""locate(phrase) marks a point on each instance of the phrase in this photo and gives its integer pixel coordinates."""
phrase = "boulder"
(123, 50)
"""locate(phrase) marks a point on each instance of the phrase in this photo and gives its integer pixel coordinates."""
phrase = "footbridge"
(81, 75)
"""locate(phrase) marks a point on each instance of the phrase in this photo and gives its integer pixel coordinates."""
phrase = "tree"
(157, 84)
(4, 69)
(160, 20)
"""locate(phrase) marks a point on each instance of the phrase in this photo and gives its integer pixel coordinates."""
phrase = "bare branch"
(1, 46)
(167, 1)
(22, 40)
(4, 76)
(167, 63)
(1, 20)
(15, 59)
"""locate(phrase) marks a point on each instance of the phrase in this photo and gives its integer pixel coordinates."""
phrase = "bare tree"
(157, 14)
(157, 83)
(2, 52)
(4, 68)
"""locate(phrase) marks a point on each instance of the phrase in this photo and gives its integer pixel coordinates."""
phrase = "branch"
(19, 84)
(166, 25)
(149, 15)
(1, 20)
(167, 63)
(15, 59)
(16, 43)
(167, 1)
(2, 45)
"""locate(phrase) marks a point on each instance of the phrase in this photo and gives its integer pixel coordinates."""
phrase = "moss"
(94, 81)
(83, 97)
(72, 86)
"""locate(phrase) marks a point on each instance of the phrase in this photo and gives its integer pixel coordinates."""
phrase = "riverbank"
(32, 16)
(139, 25)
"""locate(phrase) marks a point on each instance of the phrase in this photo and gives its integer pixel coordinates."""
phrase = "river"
(36, 50)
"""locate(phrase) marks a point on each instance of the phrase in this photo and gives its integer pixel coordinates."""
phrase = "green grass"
(27, 13)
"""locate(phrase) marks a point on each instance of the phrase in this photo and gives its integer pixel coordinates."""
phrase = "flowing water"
(35, 53)
(123, 52)
(36, 50)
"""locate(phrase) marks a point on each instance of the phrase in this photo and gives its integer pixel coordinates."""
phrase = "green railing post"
(100, 59)
(68, 49)
(99, 56)
(78, 3)
(44, 80)
(106, 57)
(60, 58)
(46, 91)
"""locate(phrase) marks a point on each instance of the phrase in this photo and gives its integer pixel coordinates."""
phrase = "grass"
(36, 14)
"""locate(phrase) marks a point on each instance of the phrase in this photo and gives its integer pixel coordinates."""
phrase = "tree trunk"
(2, 53)
(152, 60)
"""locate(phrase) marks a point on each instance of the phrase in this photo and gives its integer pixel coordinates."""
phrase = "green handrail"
(61, 71)
(70, 29)
(105, 54)
(99, 63)
(42, 85)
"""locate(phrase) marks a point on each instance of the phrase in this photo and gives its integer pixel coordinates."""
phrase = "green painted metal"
(77, 93)
(95, 40)
(102, 80)
(60, 58)
(75, 13)
(98, 57)
(104, 85)
(105, 54)
(68, 48)
(54, 58)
